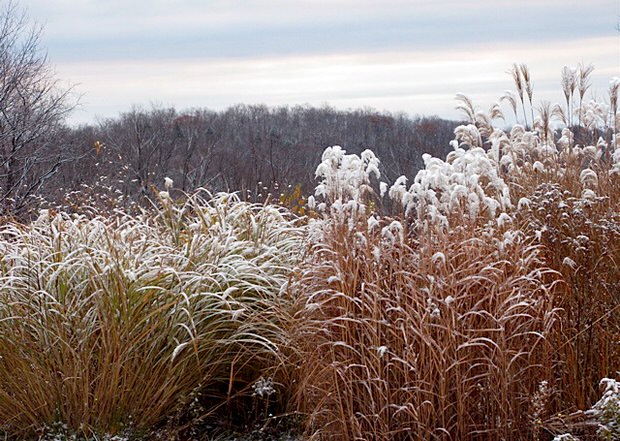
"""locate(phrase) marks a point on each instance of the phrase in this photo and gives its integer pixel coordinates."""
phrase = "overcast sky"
(396, 55)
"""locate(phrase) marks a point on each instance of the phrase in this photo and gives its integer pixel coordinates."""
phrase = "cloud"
(422, 82)
(409, 55)
(89, 29)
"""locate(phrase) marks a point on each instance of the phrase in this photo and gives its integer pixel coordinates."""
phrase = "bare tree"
(32, 107)
(195, 139)
(252, 149)
(143, 141)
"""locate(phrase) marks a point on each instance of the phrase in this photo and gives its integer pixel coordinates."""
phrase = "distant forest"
(255, 150)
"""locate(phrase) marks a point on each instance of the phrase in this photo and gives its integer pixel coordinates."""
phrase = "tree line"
(252, 149)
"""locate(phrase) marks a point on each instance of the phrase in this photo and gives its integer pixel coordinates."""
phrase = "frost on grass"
(604, 414)
(264, 387)
(606, 411)
(344, 191)
(467, 182)
(615, 168)
(565, 437)
(345, 178)
(525, 195)
(201, 280)
(61, 432)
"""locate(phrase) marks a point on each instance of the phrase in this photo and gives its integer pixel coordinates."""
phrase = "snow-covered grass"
(433, 334)
(486, 305)
(607, 410)
(113, 323)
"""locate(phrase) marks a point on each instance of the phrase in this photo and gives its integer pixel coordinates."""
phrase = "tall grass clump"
(115, 323)
(486, 306)
(406, 334)
(443, 339)
(565, 186)
(581, 240)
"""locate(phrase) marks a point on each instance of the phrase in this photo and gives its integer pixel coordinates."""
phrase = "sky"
(390, 55)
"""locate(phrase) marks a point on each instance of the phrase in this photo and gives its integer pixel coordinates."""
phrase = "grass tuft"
(111, 322)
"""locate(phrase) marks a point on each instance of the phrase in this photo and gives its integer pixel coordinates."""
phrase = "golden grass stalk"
(442, 337)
